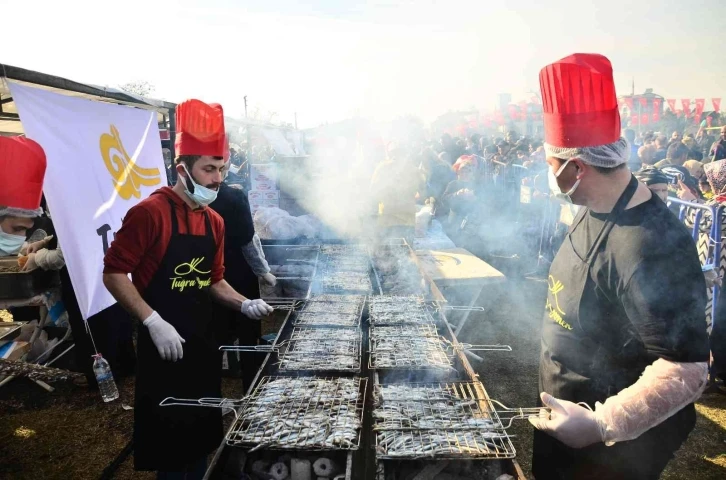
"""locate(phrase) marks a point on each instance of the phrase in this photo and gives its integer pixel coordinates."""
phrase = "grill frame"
(257, 399)
(462, 442)
(301, 335)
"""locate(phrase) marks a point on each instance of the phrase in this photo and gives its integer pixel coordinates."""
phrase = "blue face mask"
(202, 196)
(10, 244)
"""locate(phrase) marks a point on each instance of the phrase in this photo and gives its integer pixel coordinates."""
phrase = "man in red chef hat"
(22, 169)
(624, 345)
(173, 247)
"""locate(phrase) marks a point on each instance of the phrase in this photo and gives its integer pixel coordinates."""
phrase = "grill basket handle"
(506, 413)
(207, 402)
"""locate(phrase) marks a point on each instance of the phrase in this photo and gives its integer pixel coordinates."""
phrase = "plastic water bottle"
(104, 377)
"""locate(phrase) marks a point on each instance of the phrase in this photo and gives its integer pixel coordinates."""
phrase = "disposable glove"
(256, 309)
(167, 340)
(269, 279)
(570, 423)
(664, 388)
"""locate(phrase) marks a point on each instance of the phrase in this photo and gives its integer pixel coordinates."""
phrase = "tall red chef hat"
(199, 129)
(22, 163)
(579, 102)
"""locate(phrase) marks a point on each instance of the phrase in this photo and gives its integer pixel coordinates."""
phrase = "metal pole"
(245, 97)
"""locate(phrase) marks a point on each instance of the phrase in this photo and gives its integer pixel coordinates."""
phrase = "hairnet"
(20, 212)
(650, 175)
(607, 156)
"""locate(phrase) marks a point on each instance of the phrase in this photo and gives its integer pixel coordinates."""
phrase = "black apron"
(169, 438)
(586, 362)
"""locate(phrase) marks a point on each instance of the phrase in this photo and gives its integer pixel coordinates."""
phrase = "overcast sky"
(328, 60)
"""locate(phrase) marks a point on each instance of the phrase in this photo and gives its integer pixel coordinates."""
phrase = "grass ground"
(71, 434)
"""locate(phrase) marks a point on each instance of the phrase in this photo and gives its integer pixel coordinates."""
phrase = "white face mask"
(557, 193)
(10, 244)
(202, 196)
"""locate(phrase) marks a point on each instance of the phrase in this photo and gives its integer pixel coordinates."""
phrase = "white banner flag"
(102, 160)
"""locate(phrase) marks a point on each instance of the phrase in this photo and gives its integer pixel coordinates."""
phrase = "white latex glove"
(35, 246)
(269, 279)
(570, 423)
(256, 309)
(30, 264)
(167, 340)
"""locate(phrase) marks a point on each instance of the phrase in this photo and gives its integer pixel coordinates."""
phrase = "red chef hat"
(579, 102)
(199, 129)
(22, 163)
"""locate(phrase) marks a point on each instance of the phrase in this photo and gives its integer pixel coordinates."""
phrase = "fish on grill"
(437, 420)
(409, 353)
(432, 443)
(301, 413)
(326, 319)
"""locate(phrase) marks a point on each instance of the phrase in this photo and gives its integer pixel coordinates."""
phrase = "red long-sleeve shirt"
(140, 244)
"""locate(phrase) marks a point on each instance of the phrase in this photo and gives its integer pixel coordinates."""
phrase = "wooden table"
(461, 276)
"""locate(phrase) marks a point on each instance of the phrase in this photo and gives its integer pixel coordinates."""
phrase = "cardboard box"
(263, 177)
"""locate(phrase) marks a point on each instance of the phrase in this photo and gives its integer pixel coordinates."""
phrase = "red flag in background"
(644, 119)
(686, 104)
(629, 102)
(716, 104)
(634, 120)
(656, 110)
(643, 102)
(672, 104)
(700, 103)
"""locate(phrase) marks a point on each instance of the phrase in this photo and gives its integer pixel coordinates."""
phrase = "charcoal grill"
(314, 350)
(413, 352)
(293, 413)
(452, 420)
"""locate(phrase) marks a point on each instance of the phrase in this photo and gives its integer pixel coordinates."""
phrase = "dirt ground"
(71, 434)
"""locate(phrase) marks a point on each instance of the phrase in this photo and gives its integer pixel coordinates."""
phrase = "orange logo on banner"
(127, 176)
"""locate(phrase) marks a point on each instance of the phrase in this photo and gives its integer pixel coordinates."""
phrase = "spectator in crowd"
(694, 153)
(473, 146)
(648, 138)
(647, 154)
(446, 158)
(676, 155)
(661, 145)
(460, 195)
(449, 146)
(633, 161)
(512, 137)
(715, 173)
(695, 168)
(438, 174)
(718, 150)
(704, 140)
(675, 137)
(655, 180)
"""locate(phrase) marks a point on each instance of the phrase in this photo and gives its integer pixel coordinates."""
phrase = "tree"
(138, 87)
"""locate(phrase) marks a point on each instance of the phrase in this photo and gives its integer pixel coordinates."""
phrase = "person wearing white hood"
(22, 163)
